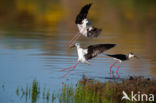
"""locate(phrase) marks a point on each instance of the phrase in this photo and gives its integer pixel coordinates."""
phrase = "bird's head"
(76, 45)
(131, 55)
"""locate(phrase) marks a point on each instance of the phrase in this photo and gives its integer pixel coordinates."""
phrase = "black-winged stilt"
(120, 58)
(84, 26)
(85, 54)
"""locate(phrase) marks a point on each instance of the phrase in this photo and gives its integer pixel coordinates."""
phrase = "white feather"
(81, 54)
(83, 27)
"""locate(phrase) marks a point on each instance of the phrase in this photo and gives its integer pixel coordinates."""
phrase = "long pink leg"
(71, 69)
(67, 68)
(74, 39)
(118, 68)
(112, 66)
(117, 74)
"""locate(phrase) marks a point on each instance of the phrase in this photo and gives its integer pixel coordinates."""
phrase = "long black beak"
(136, 57)
(72, 46)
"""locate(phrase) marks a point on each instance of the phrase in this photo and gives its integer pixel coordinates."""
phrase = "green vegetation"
(35, 91)
(17, 91)
(92, 91)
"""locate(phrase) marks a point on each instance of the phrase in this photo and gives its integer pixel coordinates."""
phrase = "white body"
(83, 27)
(81, 54)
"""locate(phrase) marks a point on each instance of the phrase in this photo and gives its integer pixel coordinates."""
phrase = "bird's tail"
(94, 32)
(108, 55)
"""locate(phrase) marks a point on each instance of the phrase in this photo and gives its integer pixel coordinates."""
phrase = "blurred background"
(34, 36)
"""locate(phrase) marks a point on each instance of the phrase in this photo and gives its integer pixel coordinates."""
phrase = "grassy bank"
(92, 91)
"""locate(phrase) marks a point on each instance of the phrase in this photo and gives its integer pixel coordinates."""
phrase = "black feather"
(94, 32)
(121, 57)
(83, 14)
(94, 50)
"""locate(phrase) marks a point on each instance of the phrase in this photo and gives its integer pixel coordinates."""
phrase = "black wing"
(94, 32)
(83, 14)
(94, 50)
(119, 56)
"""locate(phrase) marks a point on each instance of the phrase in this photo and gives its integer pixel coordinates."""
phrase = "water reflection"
(35, 93)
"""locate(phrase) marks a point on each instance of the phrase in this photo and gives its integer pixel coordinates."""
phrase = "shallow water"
(34, 51)
(25, 59)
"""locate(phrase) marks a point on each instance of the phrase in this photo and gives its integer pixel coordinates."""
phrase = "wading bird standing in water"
(85, 54)
(84, 26)
(120, 58)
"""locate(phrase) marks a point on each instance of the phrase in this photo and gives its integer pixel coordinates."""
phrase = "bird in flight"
(84, 26)
(86, 54)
